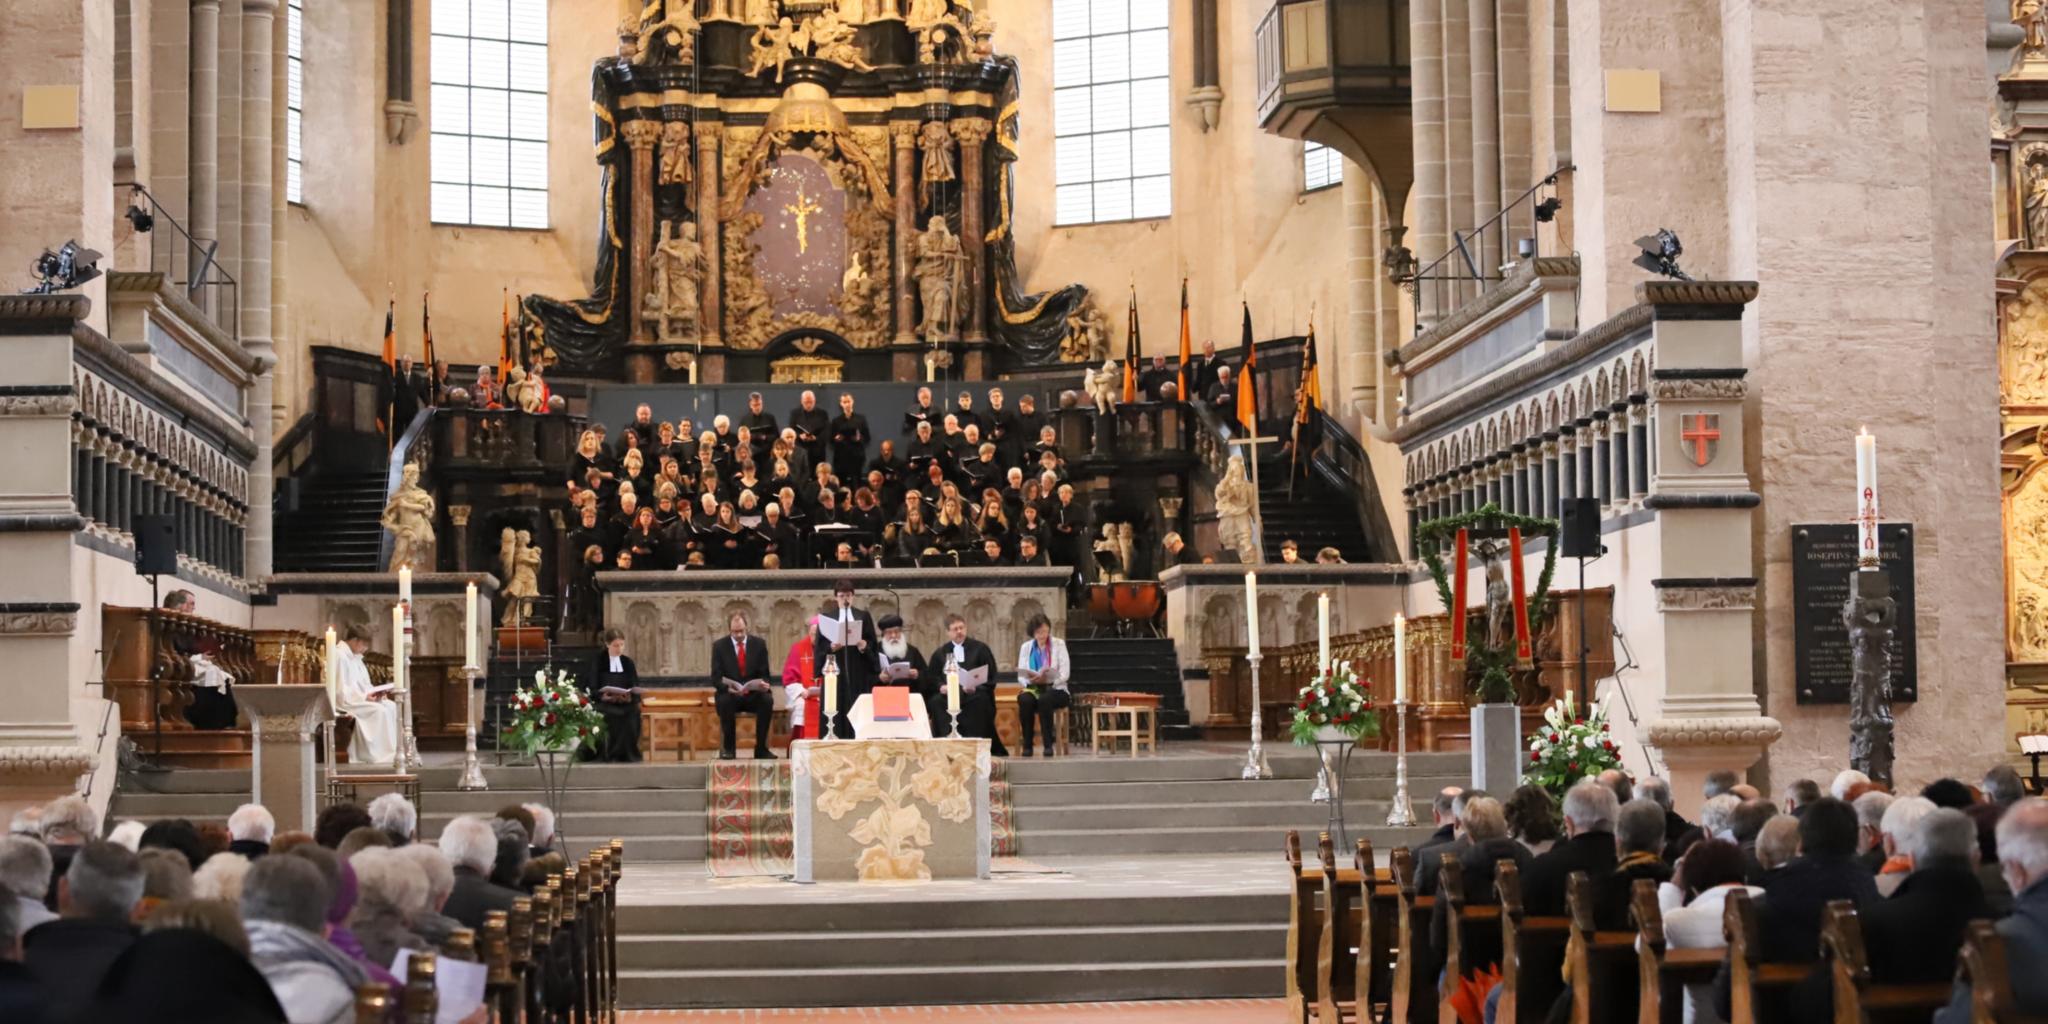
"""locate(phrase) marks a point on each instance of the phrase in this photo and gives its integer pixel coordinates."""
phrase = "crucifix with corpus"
(802, 210)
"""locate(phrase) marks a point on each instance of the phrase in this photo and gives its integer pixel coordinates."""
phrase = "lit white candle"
(398, 648)
(328, 667)
(1251, 612)
(1400, 658)
(1323, 632)
(405, 583)
(831, 695)
(1866, 500)
(953, 688)
(469, 628)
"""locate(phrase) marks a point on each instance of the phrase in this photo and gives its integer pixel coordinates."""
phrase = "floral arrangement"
(1336, 699)
(1570, 746)
(552, 714)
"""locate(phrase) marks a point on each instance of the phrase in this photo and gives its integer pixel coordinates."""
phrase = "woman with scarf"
(1043, 668)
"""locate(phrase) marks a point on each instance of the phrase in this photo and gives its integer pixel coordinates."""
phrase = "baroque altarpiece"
(806, 190)
(2019, 140)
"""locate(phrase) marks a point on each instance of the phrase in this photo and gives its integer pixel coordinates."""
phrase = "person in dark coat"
(743, 659)
(613, 684)
(1789, 912)
(96, 897)
(849, 441)
(856, 661)
(472, 847)
(1001, 430)
(1485, 830)
(179, 974)
(812, 425)
(760, 426)
(1589, 813)
(1914, 936)
(977, 707)
(922, 412)
(2023, 860)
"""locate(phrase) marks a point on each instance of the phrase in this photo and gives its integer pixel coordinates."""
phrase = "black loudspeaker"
(1579, 533)
(156, 546)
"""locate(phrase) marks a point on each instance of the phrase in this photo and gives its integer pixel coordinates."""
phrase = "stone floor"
(1183, 1011)
(1063, 878)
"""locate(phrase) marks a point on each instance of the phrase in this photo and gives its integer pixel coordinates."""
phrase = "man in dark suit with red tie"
(743, 659)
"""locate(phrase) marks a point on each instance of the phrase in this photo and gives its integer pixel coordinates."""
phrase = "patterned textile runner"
(749, 831)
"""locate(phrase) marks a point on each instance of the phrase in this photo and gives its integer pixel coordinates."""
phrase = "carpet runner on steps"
(749, 828)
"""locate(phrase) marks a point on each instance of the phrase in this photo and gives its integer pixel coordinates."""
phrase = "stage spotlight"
(1525, 248)
(1546, 211)
(1660, 254)
(138, 215)
(67, 267)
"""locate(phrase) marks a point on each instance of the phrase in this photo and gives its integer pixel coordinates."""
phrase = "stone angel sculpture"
(673, 25)
(1235, 502)
(774, 44)
(1105, 386)
(1110, 566)
(519, 566)
(409, 515)
(1087, 335)
(832, 40)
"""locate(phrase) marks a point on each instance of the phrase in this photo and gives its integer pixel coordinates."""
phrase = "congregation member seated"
(96, 900)
(251, 826)
(471, 846)
(24, 876)
(1794, 896)
(800, 680)
(977, 702)
(284, 913)
(1693, 903)
(1043, 668)
(613, 685)
(739, 680)
(2022, 838)
(1484, 825)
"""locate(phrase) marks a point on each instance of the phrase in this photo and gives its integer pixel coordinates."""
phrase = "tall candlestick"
(1400, 658)
(1323, 632)
(831, 696)
(1866, 500)
(469, 628)
(405, 583)
(398, 647)
(328, 667)
(1251, 612)
(953, 689)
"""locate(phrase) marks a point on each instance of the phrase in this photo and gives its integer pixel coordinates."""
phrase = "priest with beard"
(856, 661)
(898, 650)
(977, 706)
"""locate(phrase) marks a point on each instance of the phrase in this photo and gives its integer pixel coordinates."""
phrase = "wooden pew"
(420, 1000)
(1599, 965)
(1532, 953)
(1338, 942)
(374, 1003)
(1379, 903)
(1859, 998)
(1661, 972)
(1471, 935)
(1985, 967)
(1412, 983)
(1303, 926)
(1756, 989)
(617, 866)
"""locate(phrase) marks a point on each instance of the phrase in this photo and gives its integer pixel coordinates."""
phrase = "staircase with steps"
(1315, 516)
(334, 528)
(1133, 664)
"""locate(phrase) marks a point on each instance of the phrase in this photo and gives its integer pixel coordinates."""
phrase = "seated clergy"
(897, 650)
(376, 733)
(739, 680)
(614, 688)
(978, 703)
(800, 681)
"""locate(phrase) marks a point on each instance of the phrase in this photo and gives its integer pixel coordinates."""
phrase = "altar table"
(883, 810)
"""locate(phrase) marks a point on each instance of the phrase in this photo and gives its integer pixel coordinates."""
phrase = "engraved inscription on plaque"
(1823, 556)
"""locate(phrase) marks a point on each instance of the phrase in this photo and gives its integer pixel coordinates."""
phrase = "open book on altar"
(829, 629)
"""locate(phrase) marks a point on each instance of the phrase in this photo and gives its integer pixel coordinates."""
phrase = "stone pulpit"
(890, 810)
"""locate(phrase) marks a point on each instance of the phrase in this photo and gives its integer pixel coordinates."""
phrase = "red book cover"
(892, 703)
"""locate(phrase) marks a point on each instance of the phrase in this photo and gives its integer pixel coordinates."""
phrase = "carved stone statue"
(774, 45)
(1235, 500)
(938, 270)
(854, 12)
(1104, 386)
(1870, 620)
(520, 393)
(519, 567)
(2032, 18)
(832, 39)
(924, 12)
(857, 288)
(668, 33)
(937, 144)
(1087, 335)
(1124, 546)
(2037, 206)
(1500, 609)
(675, 154)
(1110, 566)
(982, 30)
(678, 266)
(762, 12)
(409, 515)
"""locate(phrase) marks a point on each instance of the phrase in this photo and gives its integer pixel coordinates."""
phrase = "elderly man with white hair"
(1589, 813)
(471, 845)
(389, 889)
(1846, 780)
(96, 899)
(250, 829)
(396, 817)
(1870, 808)
(1897, 828)
(68, 823)
(2023, 860)
(25, 872)
(1913, 937)
(428, 922)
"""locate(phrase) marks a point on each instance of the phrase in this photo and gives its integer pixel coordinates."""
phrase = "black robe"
(811, 429)
(917, 414)
(620, 740)
(856, 667)
(849, 446)
(978, 708)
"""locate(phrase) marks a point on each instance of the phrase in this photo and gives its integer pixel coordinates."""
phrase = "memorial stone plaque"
(1823, 556)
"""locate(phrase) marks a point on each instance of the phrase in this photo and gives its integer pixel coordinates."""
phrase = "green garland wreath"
(1492, 681)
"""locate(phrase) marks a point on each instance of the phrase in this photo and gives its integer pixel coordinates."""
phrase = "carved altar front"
(776, 167)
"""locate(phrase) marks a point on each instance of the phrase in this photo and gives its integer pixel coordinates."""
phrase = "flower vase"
(555, 763)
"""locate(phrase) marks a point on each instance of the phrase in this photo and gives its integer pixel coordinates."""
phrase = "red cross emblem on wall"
(1699, 436)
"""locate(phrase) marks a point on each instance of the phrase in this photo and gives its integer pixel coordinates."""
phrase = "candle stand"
(1255, 765)
(1401, 814)
(472, 769)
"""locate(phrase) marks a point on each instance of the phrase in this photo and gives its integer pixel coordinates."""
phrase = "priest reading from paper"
(376, 734)
(976, 664)
(843, 637)
(739, 662)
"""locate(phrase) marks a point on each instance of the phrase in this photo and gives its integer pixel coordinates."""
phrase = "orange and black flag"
(426, 335)
(384, 417)
(505, 339)
(1186, 344)
(1311, 378)
(1131, 350)
(1247, 389)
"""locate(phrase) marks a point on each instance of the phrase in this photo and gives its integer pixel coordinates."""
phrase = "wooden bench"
(1757, 989)
(1859, 998)
(1337, 945)
(1532, 953)
(1663, 973)
(1303, 928)
(1600, 966)
(1471, 934)
(676, 724)
(1379, 899)
(1412, 982)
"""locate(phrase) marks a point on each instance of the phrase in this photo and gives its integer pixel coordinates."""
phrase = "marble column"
(710, 230)
(1639, 446)
(1551, 496)
(905, 136)
(1426, 61)
(972, 133)
(458, 517)
(204, 183)
(640, 138)
(259, 50)
(282, 774)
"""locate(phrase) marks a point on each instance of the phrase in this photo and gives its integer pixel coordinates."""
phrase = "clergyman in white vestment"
(376, 734)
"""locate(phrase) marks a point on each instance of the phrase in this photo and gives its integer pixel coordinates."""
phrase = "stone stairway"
(1132, 664)
(1315, 515)
(334, 528)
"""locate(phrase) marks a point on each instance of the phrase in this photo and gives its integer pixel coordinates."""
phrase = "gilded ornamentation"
(641, 134)
(832, 40)
(1087, 335)
(667, 33)
(903, 780)
(2024, 356)
(2027, 554)
(747, 311)
(2032, 18)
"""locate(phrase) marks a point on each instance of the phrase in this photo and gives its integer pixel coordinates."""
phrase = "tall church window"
(1113, 152)
(1321, 167)
(294, 101)
(488, 113)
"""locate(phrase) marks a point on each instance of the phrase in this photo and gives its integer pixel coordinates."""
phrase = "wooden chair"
(1532, 953)
(1411, 1001)
(1469, 934)
(1379, 903)
(1860, 999)
(1756, 988)
(1661, 972)
(1337, 945)
(1599, 965)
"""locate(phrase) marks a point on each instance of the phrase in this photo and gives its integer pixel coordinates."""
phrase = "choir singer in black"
(739, 675)
(977, 706)
(854, 652)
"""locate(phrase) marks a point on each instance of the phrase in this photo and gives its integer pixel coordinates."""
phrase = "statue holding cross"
(1249, 540)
